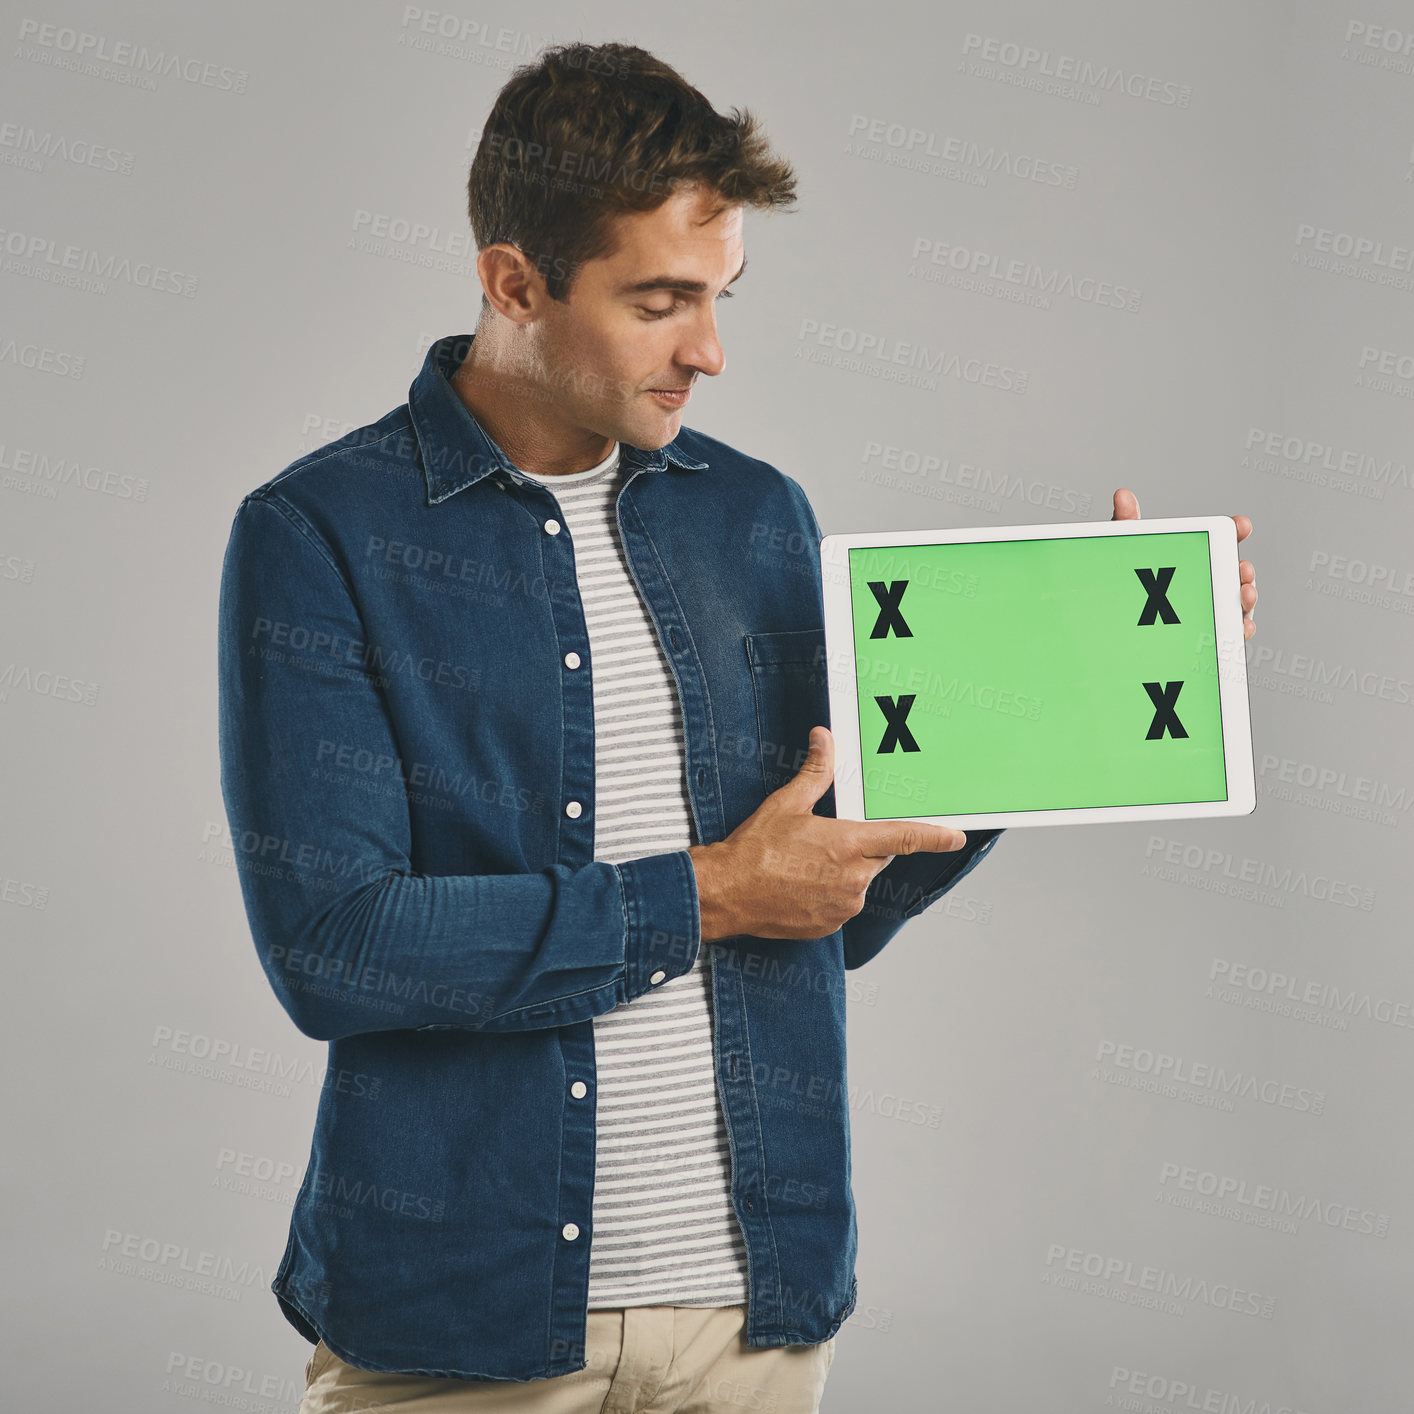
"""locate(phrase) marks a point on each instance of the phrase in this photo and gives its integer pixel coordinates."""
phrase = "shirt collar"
(457, 452)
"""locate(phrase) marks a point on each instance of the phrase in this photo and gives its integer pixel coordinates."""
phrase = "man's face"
(641, 320)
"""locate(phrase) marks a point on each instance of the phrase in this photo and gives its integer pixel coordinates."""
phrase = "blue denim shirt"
(407, 762)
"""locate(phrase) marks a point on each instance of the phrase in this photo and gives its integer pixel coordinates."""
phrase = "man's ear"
(510, 284)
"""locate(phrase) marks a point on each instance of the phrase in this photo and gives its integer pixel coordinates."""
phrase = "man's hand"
(786, 872)
(1127, 508)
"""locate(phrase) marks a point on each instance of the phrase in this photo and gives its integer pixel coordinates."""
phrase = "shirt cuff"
(662, 918)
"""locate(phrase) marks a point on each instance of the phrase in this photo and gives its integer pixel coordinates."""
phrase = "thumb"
(1122, 511)
(816, 772)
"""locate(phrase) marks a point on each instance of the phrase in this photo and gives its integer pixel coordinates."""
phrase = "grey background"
(1000, 1015)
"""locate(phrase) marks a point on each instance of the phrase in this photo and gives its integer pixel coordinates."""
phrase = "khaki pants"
(641, 1360)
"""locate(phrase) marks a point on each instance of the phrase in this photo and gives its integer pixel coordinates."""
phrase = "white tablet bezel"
(1230, 654)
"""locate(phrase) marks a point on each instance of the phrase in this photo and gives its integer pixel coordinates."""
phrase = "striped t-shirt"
(664, 1231)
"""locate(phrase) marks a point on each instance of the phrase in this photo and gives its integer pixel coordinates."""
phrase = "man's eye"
(660, 313)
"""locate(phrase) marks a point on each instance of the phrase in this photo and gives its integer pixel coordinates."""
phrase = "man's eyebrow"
(673, 282)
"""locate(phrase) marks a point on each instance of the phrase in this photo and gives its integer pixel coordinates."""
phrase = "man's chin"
(650, 434)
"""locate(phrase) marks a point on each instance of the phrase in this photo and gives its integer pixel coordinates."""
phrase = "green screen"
(1044, 674)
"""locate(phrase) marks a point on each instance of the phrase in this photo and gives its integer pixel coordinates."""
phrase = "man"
(515, 711)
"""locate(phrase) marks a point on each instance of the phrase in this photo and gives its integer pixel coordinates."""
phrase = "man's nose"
(703, 349)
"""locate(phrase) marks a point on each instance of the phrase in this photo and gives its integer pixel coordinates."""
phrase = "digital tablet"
(1038, 674)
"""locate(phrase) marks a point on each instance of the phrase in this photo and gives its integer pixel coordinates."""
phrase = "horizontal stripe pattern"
(664, 1231)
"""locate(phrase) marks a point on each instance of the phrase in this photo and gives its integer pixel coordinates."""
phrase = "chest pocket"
(790, 681)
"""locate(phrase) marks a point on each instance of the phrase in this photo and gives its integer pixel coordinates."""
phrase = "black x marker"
(889, 616)
(1164, 696)
(895, 714)
(1157, 583)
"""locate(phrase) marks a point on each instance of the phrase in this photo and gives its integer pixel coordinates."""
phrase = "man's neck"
(519, 415)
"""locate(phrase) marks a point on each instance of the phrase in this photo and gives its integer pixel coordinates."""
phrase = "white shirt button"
(571, 660)
(574, 809)
(579, 1089)
(657, 977)
(569, 1232)
(552, 526)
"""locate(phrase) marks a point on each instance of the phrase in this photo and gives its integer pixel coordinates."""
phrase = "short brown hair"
(588, 132)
